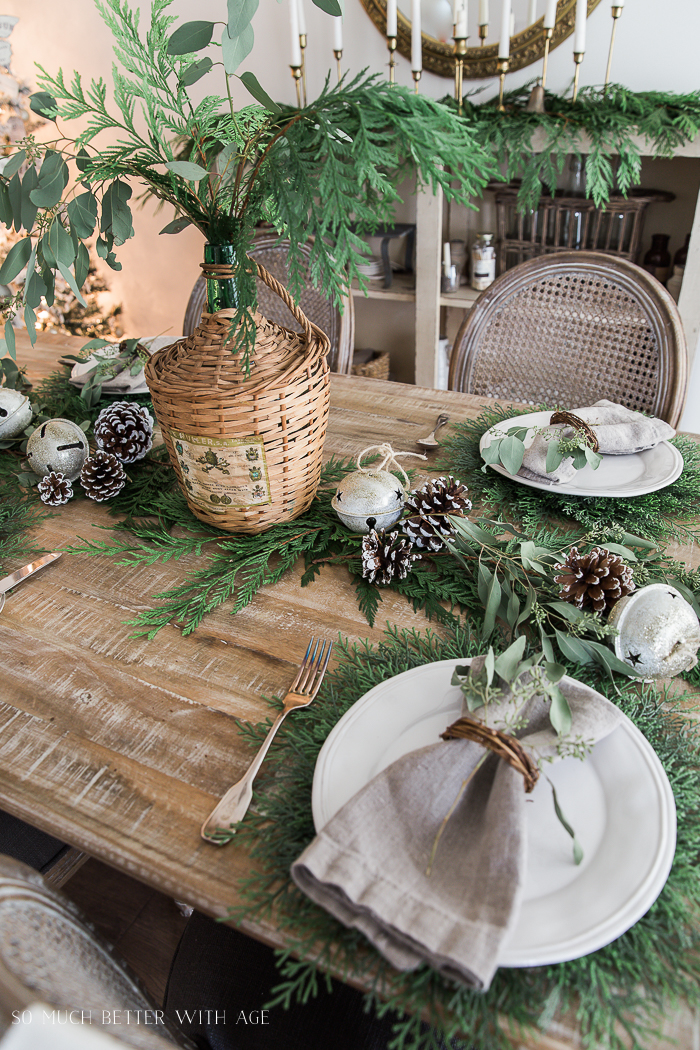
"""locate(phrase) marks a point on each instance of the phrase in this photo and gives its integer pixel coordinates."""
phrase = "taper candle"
(504, 45)
(302, 18)
(532, 12)
(294, 26)
(338, 33)
(550, 14)
(483, 12)
(416, 38)
(460, 19)
(391, 18)
(580, 27)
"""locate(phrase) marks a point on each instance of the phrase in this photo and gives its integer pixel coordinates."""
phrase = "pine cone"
(385, 556)
(126, 430)
(433, 502)
(102, 476)
(55, 489)
(596, 580)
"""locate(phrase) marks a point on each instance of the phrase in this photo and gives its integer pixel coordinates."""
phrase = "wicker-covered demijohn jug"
(246, 448)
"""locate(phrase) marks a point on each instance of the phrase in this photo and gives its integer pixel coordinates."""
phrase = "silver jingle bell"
(369, 499)
(15, 412)
(659, 633)
(57, 445)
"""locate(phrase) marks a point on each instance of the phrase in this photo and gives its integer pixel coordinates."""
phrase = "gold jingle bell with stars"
(372, 497)
(58, 445)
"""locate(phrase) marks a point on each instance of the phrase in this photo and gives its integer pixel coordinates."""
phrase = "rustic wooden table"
(121, 747)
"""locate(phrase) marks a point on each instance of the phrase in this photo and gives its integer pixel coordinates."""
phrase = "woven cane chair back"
(569, 329)
(49, 955)
(273, 255)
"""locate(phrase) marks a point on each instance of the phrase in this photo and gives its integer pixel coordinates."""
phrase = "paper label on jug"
(223, 473)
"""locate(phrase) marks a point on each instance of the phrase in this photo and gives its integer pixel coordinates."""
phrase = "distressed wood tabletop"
(122, 747)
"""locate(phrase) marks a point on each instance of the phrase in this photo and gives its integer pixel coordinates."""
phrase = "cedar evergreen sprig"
(618, 994)
(325, 174)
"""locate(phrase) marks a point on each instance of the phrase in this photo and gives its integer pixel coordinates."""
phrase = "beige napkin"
(367, 866)
(620, 432)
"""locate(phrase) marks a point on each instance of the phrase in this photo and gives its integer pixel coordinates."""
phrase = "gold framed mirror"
(526, 46)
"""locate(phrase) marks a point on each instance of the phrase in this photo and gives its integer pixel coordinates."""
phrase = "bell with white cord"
(372, 497)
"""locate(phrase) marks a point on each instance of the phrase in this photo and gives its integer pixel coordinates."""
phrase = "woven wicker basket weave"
(246, 449)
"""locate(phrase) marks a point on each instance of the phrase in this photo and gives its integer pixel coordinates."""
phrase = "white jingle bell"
(15, 412)
(372, 497)
(659, 633)
(57, 445)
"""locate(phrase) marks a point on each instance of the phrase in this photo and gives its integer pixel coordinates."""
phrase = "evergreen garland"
(603, 123)
(618, 992)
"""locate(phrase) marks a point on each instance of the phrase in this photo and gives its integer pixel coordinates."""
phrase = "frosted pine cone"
(385, 556)
(594, 581)
(125, 429)
(102, 476)
(55, 489)
(432, 504)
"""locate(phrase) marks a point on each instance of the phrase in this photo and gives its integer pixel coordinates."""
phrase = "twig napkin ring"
(502, 744)
(578, 424)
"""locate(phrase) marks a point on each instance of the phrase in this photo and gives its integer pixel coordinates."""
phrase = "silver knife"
(21, 574)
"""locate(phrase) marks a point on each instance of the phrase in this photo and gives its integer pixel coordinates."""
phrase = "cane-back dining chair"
(570, 328)
(49, 955)
(273, 254)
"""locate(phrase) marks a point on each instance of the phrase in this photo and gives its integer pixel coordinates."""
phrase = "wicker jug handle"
(274, 285)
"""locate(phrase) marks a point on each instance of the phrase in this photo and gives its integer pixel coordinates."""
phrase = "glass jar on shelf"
(483, 262)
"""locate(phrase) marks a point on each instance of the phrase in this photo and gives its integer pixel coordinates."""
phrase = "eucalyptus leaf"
(116, 214)
(579, 457)
(44, 104)
(483, 582)
(492, 453)
(507, 663)
(14, 163)
(14, 194)
(15, 260)
(29, 208)
(331, 7)
(568, 610)
(251, 82)
(594, 459)
(240, 14)
(513, 610)
(177, 225)
(34, 289)
(493, 600)
(70, 280)
(10, 339)
(82, 212)
(554, 456)
(578, 849)
(30, 322)
(82, 265)
(195, 71)
(187, 169)
(490, 665)
(618, 548)
(189, 37)
(59, 244)
(555, 672)
(234, 51)
(572, 648)
(511, 453)
(559, 711)
(6, 216)
(52, 180)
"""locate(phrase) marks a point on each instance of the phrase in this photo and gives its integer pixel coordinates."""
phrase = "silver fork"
(234, 804)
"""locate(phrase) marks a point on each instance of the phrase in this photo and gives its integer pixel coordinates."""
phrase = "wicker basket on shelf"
(246, 448)
(562, 223)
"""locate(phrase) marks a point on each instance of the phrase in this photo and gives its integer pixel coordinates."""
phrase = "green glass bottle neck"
(221, 289)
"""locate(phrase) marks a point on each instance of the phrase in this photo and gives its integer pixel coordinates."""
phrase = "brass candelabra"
(616, 12)
(391, 44)
(460, 50)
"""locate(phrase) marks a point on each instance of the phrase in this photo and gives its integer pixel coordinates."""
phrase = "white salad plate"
(622, 476)
(618, 800)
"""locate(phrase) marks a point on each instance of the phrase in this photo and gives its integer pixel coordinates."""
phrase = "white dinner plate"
(618, 800)
(627, 476)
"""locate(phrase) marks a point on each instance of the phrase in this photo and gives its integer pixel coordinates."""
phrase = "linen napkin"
(620, 432)
(367, 866)
(123, 382)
